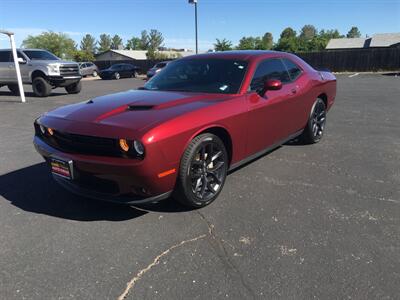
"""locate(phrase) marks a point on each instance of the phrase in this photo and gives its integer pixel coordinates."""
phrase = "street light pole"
(195, 23)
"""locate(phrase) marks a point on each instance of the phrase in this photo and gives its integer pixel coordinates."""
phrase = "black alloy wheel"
(203, 171)
(315, 127)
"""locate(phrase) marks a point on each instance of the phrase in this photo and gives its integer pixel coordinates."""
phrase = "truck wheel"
(41, 87)
(74, 88)
(14, 89)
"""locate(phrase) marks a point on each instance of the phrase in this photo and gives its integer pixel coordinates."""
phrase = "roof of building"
(377, 40)
(385, 39)
(346, 43)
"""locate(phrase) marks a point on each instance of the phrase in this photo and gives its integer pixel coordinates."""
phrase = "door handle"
(293, 91)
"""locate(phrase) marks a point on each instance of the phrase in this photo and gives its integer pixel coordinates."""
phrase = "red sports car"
(180, 134)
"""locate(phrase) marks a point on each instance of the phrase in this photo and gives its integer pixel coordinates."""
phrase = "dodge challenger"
(181, 133)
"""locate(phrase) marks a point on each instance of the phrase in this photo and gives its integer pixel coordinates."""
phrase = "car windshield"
(40, 55)
(222, 76)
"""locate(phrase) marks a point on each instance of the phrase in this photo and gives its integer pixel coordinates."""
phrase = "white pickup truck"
(41, 69)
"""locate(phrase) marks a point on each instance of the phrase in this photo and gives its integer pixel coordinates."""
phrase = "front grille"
(69, 70)
(81, 144)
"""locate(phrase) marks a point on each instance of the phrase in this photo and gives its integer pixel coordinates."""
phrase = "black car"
(118, 71)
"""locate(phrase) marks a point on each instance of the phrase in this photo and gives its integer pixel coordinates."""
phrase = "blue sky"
(229, 19)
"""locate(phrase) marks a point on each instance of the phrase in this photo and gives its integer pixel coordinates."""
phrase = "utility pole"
(195, 23)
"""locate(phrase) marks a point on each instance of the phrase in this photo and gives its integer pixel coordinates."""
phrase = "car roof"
(236, 54)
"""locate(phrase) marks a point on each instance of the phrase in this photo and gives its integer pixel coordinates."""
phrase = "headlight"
(134, 148)
(139, 148)
(53, 69)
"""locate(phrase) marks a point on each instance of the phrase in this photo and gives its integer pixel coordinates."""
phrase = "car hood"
(54, 62)
(135, 110)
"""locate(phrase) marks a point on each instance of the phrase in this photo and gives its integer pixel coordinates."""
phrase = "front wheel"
(203, 171)
(315, 127)
(117, 75)
(41, 87)
(74, 88)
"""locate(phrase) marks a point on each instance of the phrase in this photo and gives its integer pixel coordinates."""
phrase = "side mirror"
(270, 85)
(21, 60)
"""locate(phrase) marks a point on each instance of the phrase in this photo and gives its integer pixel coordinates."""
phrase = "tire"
(135, 74)
(315, 127)
(117, 76)
(41, 87)
(14, 89)
(94, 74)
(74, 88)
(202, 172)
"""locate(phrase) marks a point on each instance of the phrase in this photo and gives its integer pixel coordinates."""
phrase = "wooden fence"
(356, 60)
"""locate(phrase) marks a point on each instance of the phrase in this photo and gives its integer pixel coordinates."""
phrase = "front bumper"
(109, 179)
(62, 81)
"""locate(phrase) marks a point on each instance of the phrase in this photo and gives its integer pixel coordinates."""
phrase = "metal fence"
(355, 60)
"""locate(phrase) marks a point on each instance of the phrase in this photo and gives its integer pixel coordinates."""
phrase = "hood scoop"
(134, 107)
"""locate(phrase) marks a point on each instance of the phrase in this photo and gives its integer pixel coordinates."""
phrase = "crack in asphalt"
(130, 285)
(223, 254)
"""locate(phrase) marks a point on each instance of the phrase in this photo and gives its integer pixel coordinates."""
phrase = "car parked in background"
(157, 68)
(118, 71)
(186, 128)
(41, 69)
(88, 69)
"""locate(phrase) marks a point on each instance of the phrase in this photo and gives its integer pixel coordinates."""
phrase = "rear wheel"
(94, 74)
(41, 87)
(74, 88)
(202, 172)
(135, 74)
(14, 89)
(315, 127)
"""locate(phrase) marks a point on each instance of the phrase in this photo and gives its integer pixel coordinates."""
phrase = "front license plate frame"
(62, 168)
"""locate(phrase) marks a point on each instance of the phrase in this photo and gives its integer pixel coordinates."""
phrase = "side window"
(293, 69)
(5, 56)
(269, 69)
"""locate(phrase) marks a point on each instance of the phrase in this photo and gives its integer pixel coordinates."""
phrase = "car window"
(19, 55)
(293, 69)
(222, 76)
(5, 56)
(83, 66)
(269, 69)
(160, 65)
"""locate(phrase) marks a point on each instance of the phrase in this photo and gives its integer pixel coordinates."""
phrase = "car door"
(83, 69)
(5, 66)
(24, 68)
(271, 118)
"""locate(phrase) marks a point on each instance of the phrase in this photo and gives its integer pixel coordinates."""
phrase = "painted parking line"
(353, 75)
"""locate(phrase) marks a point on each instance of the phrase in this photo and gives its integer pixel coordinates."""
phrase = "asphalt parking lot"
(305, 221)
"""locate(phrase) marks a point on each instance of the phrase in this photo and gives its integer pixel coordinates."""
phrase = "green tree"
(308, 32)
(222, 45)
(353, 33)
(58, 43)
(267, 41)
(144, 40)
(104, 42)
(83, 55)
(249, 43)
(88, 44)
(155, 41)
(288, 41)
(134, 44)
(116, 42)
(287, 33)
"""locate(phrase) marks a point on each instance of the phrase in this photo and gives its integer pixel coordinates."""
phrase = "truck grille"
(69, 70)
